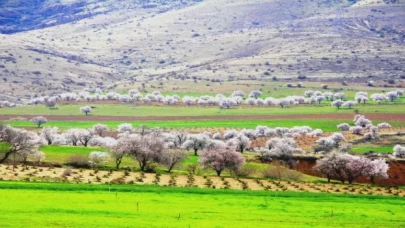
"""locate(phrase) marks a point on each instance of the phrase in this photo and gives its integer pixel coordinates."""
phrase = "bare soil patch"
(49, 174)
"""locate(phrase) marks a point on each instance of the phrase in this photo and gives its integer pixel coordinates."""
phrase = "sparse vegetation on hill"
(91, 43)
(202, 113)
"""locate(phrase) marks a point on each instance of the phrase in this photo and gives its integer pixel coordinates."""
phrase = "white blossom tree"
(17, 142)
(393, 95)
(238, 93)
(349, 104)
(399, 151)
(255, 94)
(281, 148)
(100, 129)
(241, 142)
(98, 159)
(229, 134)
(251, 101)
(343, 127)
(49, 134)
(309, 93)
(118, 151)
(196, 142)
(337, 103)
(377, 169)
(357, 130)
(86, 110)
(125, 128)
(39, 120)
(383, 125)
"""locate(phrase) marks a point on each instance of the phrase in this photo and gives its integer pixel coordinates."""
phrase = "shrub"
(67, 172)
(78, 161)
(246, 171)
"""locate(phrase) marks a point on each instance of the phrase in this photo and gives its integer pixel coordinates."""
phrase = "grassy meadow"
(79, 205)
(210, 125)
(132, 110)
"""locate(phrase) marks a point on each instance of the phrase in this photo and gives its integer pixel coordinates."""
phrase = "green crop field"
(77, 205)
(274, 89)
(382, 149)
(324, 124)
(131, 110)
(56, 153)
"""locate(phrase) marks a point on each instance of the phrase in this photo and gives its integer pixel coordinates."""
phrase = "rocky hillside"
(49, 46)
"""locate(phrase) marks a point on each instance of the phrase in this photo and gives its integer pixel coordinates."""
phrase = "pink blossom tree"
(171, 158)
(221, 159)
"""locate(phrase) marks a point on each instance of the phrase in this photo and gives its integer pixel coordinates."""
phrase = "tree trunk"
(142, 165)
(218, 172)
(195, 152)
(372, 179)
(117, 163)
(170, 168)
(6, 155)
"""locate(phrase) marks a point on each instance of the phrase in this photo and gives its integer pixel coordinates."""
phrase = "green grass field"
(77, 205)
(276, 89)
(326, 125)
(130, 110)
(61, 153)
(362, 150)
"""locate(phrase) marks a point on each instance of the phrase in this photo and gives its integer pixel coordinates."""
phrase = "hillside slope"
(87, 43)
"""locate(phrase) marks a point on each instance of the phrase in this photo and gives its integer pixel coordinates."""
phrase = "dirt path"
(388, 117)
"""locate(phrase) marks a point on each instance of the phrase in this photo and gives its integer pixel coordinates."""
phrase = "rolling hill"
(52, 46)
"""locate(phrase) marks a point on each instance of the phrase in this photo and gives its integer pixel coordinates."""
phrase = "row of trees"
(238, 97)
(149, 146)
